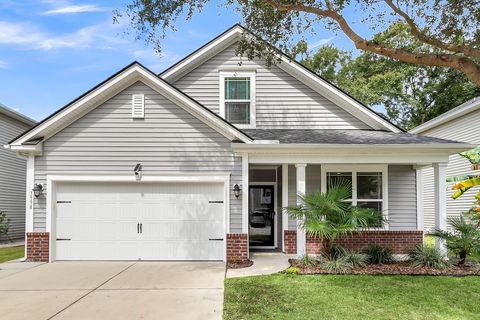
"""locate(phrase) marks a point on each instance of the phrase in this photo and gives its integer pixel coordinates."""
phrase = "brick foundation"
(290, 241)
(37, 246)
(237, 247)
(400, 242)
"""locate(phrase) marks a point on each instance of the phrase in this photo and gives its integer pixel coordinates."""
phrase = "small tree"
(4, 223)
(463, 240)
(327, 215)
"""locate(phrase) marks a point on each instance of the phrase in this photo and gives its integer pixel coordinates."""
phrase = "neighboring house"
(460, 123)
(12, 173)
(197, 163)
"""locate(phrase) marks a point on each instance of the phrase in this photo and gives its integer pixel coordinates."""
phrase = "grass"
(293, 297)
(11, 253)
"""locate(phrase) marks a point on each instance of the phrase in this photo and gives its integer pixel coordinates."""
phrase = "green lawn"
(351, 297)
(11, 253)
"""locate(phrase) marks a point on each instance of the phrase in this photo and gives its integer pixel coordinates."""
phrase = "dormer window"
(237, 103)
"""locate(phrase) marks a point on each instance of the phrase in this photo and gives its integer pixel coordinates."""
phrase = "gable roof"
(294, 68)
(457, 112)
(16, 115)
(127, 76)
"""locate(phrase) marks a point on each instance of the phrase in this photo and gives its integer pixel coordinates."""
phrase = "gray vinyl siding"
(282, 101)
(12, 178)
(108, 141)
(402, 198)
(463, 129)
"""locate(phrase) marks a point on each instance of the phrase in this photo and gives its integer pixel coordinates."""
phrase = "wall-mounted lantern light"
(37, 190)
(138, 172)
(236, 190)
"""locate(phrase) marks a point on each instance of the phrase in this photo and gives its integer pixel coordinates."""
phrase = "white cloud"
(72, 9)
(3, 64)
(320, 43)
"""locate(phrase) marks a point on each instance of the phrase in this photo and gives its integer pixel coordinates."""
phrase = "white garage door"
(147, 221)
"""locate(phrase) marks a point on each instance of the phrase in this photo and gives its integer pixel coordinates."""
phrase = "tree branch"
(464, 64)
(468, 51)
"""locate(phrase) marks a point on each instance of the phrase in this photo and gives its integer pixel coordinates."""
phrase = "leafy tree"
(449, 28)
(327, 215)
(411, 94)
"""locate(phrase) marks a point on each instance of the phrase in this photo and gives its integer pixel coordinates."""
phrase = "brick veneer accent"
(37, 246)
(237, 247)
(290, 241)
(399, 241)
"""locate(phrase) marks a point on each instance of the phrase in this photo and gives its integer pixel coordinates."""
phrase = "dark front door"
(261, 215)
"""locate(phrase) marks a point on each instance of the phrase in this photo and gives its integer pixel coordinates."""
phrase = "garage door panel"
(177, 219)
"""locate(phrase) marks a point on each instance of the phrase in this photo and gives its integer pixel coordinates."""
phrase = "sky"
(52, 51)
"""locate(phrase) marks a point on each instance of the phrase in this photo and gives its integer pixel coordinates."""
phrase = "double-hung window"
(369, 185)
(237, 103)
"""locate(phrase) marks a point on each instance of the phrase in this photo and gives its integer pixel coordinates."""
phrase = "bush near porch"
(292, 297)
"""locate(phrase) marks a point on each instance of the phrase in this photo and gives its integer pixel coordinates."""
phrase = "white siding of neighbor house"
(402, 210)
(282, 101)
(12, 178)
(464, 129)
(108, 141)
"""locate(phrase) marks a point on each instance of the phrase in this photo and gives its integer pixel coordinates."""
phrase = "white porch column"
(301, 187)
(284, 203)
(245, 193)
(440, 203)
(30, 181)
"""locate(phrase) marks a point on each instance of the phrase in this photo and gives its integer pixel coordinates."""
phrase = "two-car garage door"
(147, 221)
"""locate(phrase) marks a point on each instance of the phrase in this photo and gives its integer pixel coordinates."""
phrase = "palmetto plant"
(327, 215)
(463, 240)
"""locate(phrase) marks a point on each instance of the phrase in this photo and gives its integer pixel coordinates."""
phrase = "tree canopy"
(449, 30)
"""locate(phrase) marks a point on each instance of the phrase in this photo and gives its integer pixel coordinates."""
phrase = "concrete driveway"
(111, 290)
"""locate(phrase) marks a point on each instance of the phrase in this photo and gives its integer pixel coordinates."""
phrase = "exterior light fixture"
(236, 190)
(138, 172)
(37, 190)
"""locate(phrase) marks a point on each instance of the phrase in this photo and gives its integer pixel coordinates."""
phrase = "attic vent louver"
(138, 106)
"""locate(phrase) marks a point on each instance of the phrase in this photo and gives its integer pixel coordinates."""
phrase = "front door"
(261, 215)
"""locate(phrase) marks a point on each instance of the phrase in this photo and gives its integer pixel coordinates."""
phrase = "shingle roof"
(313, 136)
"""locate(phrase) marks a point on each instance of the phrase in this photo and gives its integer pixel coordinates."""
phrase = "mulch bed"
(240, 264)
(396, 268)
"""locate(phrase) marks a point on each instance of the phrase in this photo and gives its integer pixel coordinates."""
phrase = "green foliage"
(463, 240)
(292, 270)
(473, 155)
(356, 260)
(307, 260)
(4, 223)
(377, 254)
(340, 265)
(327, 215)
(430, 257)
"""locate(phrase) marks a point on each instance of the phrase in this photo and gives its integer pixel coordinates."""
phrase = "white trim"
(309, 78)
(52, 181)
(284, 203)
(16, 115)
(133, 74)
(230, 74)
(450, 115)
(30, 182)
(354, 169)
(440, 202)
(419, 193)
(245, 193)
(275, 220)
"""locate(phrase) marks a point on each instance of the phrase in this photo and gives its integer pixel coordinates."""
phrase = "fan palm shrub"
(327, 215)
(430, 257)
(463, 240)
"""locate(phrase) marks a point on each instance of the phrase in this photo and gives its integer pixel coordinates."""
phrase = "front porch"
(388, 187)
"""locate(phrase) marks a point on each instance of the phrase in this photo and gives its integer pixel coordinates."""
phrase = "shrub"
(340, 265)
(292, 270)
(336, 251)
(307, 260)
(4, 223)
(430, 257)
(355, 259)
(377, 254)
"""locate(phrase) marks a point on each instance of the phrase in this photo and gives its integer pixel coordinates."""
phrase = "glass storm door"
(261, 215)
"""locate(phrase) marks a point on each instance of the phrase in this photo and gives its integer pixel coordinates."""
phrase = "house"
(12, 173)
(197, 163)
(460, 123)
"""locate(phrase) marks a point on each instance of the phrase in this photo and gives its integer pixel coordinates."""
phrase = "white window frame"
(354, 169)
(240, 74)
